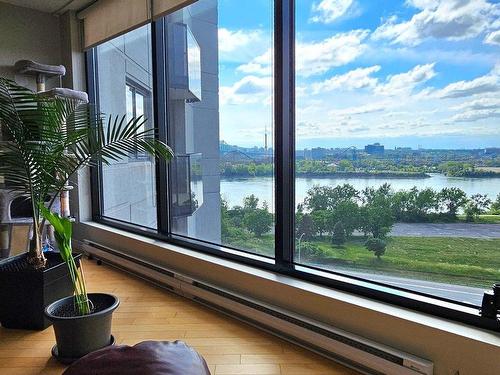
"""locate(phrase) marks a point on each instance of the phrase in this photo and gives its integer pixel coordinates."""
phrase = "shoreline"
(388, 175)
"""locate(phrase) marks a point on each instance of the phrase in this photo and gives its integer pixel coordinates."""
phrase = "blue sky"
(407, 73)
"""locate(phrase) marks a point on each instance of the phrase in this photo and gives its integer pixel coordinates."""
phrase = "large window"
(351, 143)
(397, 147)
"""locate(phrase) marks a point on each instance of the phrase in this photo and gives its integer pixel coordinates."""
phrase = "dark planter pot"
(79, 335)
(4, 253)
(25, 292)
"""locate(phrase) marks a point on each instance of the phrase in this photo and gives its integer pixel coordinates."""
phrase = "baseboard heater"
(351, 350)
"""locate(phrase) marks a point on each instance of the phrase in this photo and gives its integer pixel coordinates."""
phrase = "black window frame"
(284, 117)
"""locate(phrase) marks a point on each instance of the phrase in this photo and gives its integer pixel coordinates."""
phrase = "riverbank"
(364, 174)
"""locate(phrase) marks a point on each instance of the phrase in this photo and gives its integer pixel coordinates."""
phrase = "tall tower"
(265, 138)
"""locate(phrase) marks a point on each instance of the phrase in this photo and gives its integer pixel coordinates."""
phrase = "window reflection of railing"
(187, 184)
(185, 66)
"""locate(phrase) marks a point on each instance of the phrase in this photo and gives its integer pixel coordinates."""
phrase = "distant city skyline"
(445, 143)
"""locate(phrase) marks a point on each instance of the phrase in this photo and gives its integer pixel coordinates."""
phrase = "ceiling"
(50, 6)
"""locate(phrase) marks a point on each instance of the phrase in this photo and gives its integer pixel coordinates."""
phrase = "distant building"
(224, 147)
(318, 153)
(375, 149)
(492, 151)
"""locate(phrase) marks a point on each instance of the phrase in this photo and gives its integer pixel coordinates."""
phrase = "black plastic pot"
(77, 336)
(24, 292)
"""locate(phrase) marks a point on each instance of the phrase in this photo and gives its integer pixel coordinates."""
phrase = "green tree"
(376, 213)
(225, 220)
(348, 213)
(321, 220)
(305, 227)
(426, 201)
(376, 245)
(345, 165)
(477, 204)
(328, 197)
(338, 236)
(456, 169)
(250, 203)
(452, 199)
(495, 206)
(258, 221)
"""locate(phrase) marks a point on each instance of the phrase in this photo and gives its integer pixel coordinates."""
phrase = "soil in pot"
(78, 335)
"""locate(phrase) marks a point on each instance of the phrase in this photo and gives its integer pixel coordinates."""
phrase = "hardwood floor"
(150, 313)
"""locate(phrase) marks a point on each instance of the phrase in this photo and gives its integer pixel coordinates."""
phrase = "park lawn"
(468, 261)
(263, 245)
(483, 219)
(465, 261)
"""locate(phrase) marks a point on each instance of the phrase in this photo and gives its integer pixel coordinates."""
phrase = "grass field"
(483, 219)
(465, 261)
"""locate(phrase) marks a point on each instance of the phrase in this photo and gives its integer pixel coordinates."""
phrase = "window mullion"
(284, 137)
(96, 170)
(160, 117)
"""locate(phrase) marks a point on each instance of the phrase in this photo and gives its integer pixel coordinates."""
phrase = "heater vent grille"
(332, 335)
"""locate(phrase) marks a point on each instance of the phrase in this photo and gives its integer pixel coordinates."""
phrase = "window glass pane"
(139, 110)
(125, 88)
(398, 145)
(220, 112)
(130, 103)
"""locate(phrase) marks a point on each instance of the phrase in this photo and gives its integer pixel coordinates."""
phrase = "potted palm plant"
(50, 137)
(82, 322)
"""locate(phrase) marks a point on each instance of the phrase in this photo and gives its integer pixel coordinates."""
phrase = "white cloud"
(479, 104)
(360, 110)
(230, 40)
(493, 38)
(340, 49)
(440, 19)
(261, 65)
(354, 79)
(327, 11)
(241, 46)
(248, 90)
(475, 115)
(484, 84)
(404, 83)
(315, 57)
(255, 68)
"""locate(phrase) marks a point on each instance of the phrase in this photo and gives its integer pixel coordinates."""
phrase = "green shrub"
(376, 245)
(338, 237)
(310, 250)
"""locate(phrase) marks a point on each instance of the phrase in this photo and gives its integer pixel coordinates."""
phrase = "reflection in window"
(136, 103)
(125, 88)
(221, 123)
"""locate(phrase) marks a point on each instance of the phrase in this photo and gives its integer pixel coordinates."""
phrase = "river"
(234, 190)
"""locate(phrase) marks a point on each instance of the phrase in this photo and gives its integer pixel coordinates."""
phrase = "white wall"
(28, 34)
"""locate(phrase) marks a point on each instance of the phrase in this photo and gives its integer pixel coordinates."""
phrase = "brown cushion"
(145, 358)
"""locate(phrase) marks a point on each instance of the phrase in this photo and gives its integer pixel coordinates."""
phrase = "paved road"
(454, 292)
(446, 230)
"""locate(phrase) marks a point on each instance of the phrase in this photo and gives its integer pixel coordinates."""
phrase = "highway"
(454, 292)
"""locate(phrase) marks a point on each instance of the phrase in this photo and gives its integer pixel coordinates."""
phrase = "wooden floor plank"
(150, 313)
